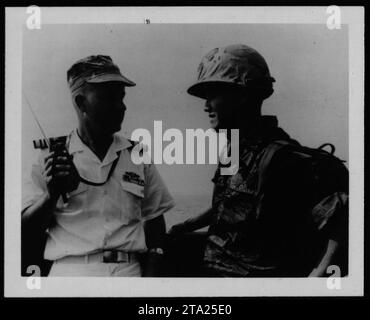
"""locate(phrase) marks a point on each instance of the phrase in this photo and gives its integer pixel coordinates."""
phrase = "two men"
(114, 209)
(261, 222)
(99, 210)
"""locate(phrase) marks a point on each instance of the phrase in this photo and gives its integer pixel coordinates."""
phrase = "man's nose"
(120, 107)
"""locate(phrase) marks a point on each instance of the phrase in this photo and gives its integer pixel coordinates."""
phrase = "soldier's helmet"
(234, 66)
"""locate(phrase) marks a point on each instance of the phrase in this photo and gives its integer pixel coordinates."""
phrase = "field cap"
(234, 65)
(95, 69)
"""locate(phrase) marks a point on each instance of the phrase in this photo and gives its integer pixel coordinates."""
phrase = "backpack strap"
(270, 151)
(332, 147)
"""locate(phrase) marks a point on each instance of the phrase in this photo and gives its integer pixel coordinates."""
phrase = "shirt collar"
(76, 145)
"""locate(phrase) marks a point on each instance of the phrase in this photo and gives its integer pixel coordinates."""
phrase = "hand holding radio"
(60, 173)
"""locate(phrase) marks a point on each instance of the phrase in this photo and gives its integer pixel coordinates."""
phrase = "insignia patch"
(133, 178)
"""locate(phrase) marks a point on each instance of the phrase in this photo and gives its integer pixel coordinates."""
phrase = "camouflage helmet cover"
(236, 65)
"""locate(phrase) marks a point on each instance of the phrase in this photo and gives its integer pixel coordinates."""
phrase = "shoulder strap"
(270, 151)
(43, 143)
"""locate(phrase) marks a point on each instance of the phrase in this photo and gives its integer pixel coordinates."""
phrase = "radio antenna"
(37, 121)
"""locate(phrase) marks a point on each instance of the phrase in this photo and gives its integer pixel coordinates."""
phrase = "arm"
(200, 221)
(203, 219)
(57, 176)
(296, 177)
(336, 232)
(38, 217)
(35, 219)
(155, 203)
(155, 230)
(326, 260)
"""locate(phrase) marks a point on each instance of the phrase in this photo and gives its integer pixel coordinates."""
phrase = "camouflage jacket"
(269, 236)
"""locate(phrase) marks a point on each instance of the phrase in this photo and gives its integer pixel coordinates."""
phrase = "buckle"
(115, 256)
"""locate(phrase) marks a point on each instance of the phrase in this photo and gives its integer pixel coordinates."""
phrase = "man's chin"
(116, 126)
(111, 130)
(117, 129)
(215, 124)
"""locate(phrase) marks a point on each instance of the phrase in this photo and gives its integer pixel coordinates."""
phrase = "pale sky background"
(309, 63)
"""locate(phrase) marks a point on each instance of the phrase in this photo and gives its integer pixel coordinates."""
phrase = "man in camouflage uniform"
(254, 233)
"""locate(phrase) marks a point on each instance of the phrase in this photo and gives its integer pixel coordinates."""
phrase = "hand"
(179, 228)
(60, 173)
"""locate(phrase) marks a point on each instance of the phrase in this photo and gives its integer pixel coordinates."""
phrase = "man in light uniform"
(99, 209)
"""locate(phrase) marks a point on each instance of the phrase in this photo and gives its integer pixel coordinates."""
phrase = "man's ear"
(80, 102)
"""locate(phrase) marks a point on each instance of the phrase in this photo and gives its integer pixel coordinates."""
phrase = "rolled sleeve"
(331, 215)
(157, 199)
(34, 186)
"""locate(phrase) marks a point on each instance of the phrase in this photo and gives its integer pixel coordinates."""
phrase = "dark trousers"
(184, 255)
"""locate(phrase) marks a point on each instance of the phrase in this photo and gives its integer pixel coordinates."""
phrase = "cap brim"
(111, 77)
(201, 89)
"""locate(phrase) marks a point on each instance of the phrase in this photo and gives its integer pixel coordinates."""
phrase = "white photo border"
(16, 286)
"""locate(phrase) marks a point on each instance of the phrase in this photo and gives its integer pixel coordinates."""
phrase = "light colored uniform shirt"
(101, 217)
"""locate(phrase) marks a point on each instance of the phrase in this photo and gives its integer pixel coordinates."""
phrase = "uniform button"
(105, 192)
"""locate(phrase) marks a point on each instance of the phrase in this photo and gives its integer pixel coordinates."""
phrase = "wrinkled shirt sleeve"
(331, 215)
(34, 185)
(157, 199)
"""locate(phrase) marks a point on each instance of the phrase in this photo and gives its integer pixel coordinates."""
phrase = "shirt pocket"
(133, 195)
(235, 198)
(244, 185)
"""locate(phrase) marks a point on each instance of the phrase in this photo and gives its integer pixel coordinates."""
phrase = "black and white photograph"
(184, 152)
